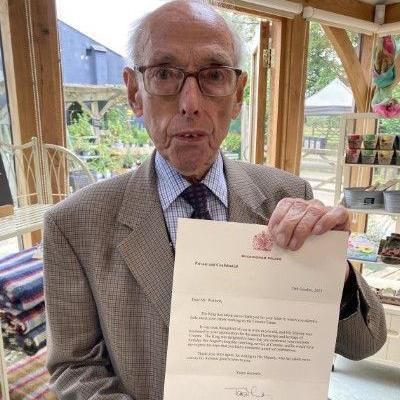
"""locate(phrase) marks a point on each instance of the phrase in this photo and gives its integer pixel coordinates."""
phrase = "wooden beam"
(22, 71)
(363, 176)
(36, 59)
(351, 64)
(276, 82)
(33, 26)
(359, 73)
(351, 8)
(392, 13)
(288, 91)
(261, 92)
(247, 8)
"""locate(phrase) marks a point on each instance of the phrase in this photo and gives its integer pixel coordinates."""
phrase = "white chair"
(65, 173)
(42, 174)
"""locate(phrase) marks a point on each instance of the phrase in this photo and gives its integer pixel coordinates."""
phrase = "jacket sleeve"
(362, 333)
(77, 356)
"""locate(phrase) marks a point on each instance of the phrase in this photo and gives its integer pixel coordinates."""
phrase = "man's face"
(187, 128)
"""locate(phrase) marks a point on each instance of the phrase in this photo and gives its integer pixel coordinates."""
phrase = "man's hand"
(293, 220)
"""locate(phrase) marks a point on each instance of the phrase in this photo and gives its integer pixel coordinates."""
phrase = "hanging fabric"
(384, 77)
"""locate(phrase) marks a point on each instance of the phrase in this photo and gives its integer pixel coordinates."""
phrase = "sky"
(105, 21)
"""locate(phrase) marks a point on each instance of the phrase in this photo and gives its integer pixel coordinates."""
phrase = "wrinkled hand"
(294, 220)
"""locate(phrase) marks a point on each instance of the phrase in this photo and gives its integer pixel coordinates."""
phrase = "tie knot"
(196, 196)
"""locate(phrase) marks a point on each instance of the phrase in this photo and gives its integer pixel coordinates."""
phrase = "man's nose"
(190, 97)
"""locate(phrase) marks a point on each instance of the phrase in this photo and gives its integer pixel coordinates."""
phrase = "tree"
(246, 28)
(323, 63)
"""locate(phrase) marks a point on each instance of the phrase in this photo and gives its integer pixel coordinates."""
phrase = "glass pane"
(328, 95)
(5, 121)
(10, 245)
(101, 128)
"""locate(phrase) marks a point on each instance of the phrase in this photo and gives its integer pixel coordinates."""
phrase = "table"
(24, 220)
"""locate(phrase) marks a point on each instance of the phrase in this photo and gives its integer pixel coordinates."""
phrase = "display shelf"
(379, 211)
(362, 123)
(392, 308)
(372, 165)
(378, 262)
(382, 283)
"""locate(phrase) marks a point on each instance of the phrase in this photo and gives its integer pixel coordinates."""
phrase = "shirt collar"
(171, 184)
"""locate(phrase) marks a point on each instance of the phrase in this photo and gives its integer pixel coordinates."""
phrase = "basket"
(359, 198)
(392, 200)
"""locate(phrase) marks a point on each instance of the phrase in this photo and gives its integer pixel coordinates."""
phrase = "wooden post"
(33, 26)
(37, 73)
(258, 94)
(288, 76)
(363, 176)
(262, 92)
(359, 73)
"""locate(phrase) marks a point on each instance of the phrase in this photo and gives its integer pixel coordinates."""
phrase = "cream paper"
(249, 319)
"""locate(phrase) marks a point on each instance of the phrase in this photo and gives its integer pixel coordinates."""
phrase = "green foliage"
(323, 63)
(325, 127)
(246, 28)
(232, 142)
(235, 125)
(115, 128)
(80, 127)
(128, 160)
(246, 93)
(117, 123)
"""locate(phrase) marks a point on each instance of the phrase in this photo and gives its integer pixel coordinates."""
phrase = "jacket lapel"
(147, 250)
(247, 204)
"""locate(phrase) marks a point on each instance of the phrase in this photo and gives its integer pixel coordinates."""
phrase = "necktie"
(196, 196)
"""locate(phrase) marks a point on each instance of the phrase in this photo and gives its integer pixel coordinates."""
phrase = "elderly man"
(109, 249)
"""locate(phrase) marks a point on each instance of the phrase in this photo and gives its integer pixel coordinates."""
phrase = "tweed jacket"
(108, 280)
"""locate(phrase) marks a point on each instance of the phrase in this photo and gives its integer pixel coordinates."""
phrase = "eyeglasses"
(168, 81)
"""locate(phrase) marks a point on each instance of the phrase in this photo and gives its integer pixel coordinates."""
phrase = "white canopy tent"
(334, 99)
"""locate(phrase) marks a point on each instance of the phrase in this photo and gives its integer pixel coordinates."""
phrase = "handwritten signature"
(244, 391)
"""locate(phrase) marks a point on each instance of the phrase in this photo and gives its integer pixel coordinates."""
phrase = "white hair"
(138, 26)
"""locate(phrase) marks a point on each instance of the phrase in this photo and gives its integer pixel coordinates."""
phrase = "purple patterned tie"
(196, 196)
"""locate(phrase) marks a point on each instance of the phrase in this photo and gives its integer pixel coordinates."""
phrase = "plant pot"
(352, 156)
(386, 142)
(368, 156)
(354, 141)
(385, 157)
(370, 142)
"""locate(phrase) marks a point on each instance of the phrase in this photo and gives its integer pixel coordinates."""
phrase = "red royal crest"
(262, 241)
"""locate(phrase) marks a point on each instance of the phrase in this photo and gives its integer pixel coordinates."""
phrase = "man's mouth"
(190, 135)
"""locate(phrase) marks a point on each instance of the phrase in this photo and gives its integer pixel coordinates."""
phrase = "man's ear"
(134, 96)
(239, 95)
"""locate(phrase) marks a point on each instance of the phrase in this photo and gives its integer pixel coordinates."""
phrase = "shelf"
(379, 211)
(391, 309)
(382, 283)
(378, 262)
(372, 165)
